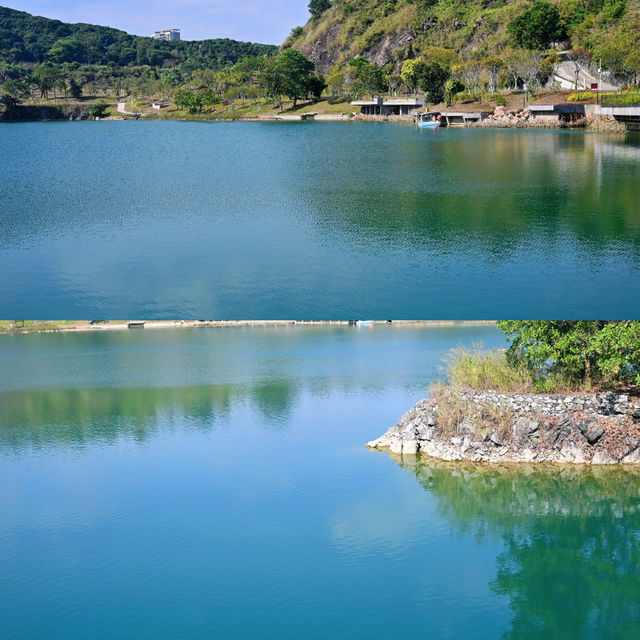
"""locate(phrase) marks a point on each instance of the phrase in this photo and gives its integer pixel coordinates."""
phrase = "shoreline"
(594, 124)
(594, 428)
(84, 326)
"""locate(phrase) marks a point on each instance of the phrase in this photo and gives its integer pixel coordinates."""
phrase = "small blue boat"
(429, 120)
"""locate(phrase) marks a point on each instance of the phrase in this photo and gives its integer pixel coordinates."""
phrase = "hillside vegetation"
(27, 39)
(387, 32)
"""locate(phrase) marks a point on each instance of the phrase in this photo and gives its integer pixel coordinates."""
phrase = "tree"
(579, 59)
(335, 82)
(12, 92)
(493, 66)
(188, 100)
(295, 71)
(528, 67)
(470, 73)
(538, 27)
(411, 73)
(432, 81)
(98, 110)
(318, 7)
(451, 87)
(372, 78)
(271, 80)
(75, 89)
(582, 351)
(315, 86)
(44, 77)
(394, 81)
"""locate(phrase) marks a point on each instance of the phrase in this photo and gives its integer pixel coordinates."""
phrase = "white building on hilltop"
(167, 34)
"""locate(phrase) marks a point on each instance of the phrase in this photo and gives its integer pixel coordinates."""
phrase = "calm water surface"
(214, 483)
(316, 221)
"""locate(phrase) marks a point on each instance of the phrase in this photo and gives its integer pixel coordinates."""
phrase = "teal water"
(214, 483)
(316, 221)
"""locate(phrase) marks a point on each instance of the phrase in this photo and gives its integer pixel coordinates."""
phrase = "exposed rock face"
(492, 427)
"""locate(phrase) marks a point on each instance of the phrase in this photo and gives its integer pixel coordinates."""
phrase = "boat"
(429, 120)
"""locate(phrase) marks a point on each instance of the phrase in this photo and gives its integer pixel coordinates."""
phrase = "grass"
(487, 371)
(33, 326)
(474, 369)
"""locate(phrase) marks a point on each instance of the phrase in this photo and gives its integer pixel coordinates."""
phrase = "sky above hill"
(252, 20)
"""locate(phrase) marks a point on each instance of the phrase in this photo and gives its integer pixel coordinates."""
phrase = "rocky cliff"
(492, 427)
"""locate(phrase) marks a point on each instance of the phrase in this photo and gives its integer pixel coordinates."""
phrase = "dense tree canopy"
(538, 27)
(30, 39)
(586, 351)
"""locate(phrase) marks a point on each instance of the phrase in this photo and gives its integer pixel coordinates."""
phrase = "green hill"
(27, 39)
(388, 32)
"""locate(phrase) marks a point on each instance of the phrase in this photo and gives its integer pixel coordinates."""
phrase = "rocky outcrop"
(492, 427)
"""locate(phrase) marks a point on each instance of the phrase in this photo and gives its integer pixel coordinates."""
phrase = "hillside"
(389, 31)
(27, 39)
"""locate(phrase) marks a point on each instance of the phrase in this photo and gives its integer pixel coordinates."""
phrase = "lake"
(316, 221)
(214, 483)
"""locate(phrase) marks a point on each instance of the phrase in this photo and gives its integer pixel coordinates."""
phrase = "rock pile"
(492, 427)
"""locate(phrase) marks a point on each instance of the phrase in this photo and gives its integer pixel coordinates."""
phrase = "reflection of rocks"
(491, 427)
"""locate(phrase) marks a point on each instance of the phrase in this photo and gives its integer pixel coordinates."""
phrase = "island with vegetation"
(468, 56)
(564, 391)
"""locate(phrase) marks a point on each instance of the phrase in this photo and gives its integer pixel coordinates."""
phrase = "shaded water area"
(214, 483)
(316, 221)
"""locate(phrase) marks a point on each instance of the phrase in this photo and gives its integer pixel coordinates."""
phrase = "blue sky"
(267, 21)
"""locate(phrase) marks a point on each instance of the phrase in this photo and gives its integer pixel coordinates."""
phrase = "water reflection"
(496, 191)
(570, 565)
(74, 417)
(376, 221)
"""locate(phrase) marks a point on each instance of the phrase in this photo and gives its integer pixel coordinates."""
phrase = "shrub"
(487, 371)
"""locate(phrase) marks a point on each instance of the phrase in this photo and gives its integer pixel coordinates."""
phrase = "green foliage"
(318, 7)
(538, 27)
(97, 110)
(476, 369)
(425, 76)
(452, 87)
(621, 100)
(190, 100)
(75, 89)
(12, 93)
(581, 96)
(29, 39)
(289, 74)
(582, 351)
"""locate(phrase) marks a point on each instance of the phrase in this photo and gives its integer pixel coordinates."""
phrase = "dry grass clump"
(454, 412)
(452, 409)
(487, 371)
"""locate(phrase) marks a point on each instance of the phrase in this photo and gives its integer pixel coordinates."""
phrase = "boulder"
(591, 430)
(523, 428)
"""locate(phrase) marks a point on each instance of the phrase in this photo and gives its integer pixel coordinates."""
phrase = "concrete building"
(167, 34)
(389, 106)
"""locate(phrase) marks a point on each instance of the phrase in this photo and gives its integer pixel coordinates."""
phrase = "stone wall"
(605, 404)
(599, 428)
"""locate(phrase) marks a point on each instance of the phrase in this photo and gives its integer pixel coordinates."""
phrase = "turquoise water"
(316, 221)
(214, 483)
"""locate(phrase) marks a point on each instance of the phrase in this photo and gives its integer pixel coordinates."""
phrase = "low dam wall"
(599, 428)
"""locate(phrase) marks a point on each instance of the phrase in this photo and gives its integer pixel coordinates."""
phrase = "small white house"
(389, 106)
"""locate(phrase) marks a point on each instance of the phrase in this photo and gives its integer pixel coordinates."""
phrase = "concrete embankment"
(599, 428)
(85, 325)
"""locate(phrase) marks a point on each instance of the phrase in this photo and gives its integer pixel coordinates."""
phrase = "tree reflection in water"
(570, 567)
